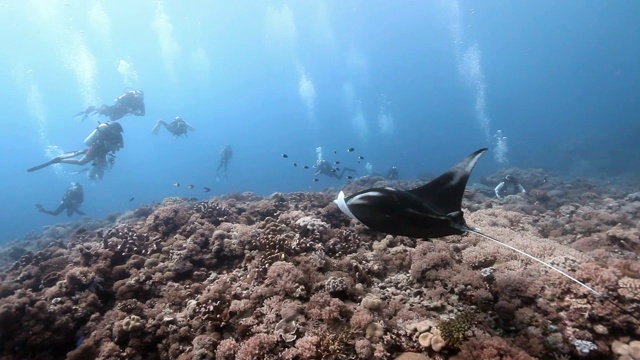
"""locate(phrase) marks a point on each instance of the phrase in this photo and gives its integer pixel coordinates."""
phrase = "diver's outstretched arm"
(55, 212)
(189, 127)
(80, 212)
(157, 127)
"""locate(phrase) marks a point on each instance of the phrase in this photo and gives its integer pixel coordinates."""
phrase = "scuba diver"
(131, 102)
(102, 144)
(324, 168)
(509, 186)
(225, 156)
(177, 127)
(392, 173)
(71, 201)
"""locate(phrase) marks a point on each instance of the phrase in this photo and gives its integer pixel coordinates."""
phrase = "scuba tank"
(94, 134)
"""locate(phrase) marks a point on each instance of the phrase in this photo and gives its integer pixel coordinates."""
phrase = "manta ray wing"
(446, 191)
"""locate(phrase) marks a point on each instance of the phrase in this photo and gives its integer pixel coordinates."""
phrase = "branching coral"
(213, 211)
(125, 241)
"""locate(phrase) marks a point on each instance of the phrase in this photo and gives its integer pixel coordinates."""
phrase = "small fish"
(176, 184)
(191, 186)
(315, 180)
(81, 231)
(294, 164)
(206, 189)
(337, 162)
(360, 157)
(333, 170)
(130, 200)
(285, 156)
(351, 149)
(349, 177)
(335, 151)
(306, 166)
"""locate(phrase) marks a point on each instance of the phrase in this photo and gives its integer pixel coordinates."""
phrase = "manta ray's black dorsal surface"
(429, 211)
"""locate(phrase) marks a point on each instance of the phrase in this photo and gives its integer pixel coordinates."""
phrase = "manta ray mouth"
(342, 205)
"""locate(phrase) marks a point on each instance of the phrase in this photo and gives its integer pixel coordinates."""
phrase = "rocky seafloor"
(290, 277)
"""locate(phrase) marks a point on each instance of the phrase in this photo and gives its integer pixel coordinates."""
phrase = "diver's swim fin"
(57, 159)
(86, 113)
(42, 166)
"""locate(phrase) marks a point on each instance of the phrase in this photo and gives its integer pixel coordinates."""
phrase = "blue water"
(416, 84)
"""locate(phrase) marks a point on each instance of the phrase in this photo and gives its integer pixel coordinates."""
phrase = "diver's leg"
(57, 160)
(157, 127)
(82, 161)
(100, 171)
(116, 112)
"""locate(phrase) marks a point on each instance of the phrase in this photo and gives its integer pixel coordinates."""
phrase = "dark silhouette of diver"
(324, 168)
(392, 173)
(102, 144)
(177, 127)
(225, 156)
(71, 201)
(131, 102)
(509, 186)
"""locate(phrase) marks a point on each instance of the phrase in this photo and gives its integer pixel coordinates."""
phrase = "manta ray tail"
(599, 294)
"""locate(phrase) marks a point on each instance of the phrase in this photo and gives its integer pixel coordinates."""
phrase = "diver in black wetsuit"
(131, 102)
(324, 168)
(225, 156)
(177, 127)
(509, 186)
(102, 144)
(392, 173)
(71, 201)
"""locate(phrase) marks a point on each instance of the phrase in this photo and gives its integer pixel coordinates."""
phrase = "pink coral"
(324, 307)
(226, 350)
(490, 348)
(305, 348)
(283, 278)
(259, 346)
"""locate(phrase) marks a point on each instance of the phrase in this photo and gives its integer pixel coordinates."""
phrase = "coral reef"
(288, 277)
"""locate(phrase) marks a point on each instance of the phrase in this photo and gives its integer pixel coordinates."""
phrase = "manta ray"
(432, 210)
